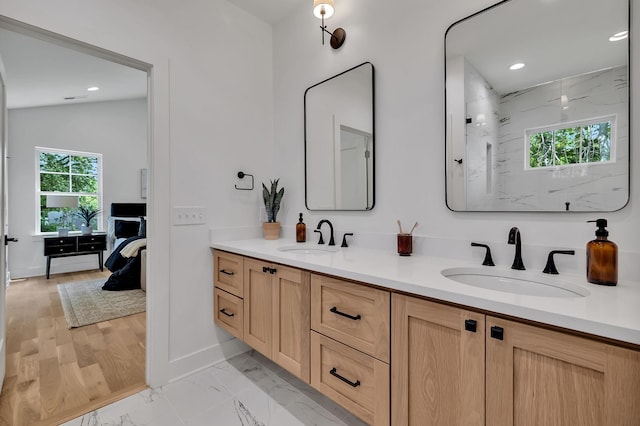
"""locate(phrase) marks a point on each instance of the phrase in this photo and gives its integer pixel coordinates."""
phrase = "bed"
(126, 237)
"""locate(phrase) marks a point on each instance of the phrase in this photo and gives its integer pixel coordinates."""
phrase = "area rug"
(85, 302)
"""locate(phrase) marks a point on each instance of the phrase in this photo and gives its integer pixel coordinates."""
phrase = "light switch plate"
(189, 216)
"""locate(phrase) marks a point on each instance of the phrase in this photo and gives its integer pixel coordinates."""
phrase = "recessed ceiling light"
(93, 89)
(619, 36)
(516, 66)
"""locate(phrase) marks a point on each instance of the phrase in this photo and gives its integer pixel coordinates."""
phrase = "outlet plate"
(189, 216)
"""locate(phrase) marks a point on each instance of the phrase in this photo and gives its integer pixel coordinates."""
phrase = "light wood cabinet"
(504, 373)
(353, 314)
(228, 312)
(438, 364)
(350, 346)
(228, 272)
(451, 366)
(542, 377)
(357, 381)
(276, 314)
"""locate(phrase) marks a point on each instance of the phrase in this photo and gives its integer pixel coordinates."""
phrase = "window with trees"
(65, 181)
(582, 142)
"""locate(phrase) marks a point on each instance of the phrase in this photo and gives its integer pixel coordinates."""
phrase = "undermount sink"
(308, 249)
(516, 282)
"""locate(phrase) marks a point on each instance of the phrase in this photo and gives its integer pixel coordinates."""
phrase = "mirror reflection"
(537, 107)
(339, 136)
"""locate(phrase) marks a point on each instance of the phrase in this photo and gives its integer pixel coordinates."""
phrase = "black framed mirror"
(339, 141)
(537, 107)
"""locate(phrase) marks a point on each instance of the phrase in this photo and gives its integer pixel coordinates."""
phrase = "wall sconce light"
(324, 9)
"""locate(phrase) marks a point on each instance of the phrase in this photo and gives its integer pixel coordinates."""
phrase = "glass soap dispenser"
(301, 231)
(602, 257)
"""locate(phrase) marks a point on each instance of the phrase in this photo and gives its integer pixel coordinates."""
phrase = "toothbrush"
(414, 227)
(400, 226)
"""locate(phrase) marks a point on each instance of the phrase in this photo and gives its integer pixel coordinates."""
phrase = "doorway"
(42, 335)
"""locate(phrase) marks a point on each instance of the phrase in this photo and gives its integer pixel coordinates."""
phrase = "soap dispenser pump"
(301, 231)
(602, 257)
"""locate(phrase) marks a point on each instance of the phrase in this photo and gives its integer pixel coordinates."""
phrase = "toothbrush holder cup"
(405, 244)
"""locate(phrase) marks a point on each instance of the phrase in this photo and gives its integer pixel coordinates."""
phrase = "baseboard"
(58, 266)
(194, 362)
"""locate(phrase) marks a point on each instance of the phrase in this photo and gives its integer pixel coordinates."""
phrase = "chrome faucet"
(331, 241)
(514, 238)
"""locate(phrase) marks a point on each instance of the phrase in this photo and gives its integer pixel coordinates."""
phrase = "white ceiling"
(554, 38)
(39, 73)
(271, 11)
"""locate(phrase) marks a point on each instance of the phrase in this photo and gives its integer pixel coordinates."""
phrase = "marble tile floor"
(247, 390)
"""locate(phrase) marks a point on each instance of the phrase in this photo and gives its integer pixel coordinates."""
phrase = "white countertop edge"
(598, 314)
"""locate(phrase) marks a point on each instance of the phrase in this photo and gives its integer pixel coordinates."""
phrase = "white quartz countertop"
(612, 312)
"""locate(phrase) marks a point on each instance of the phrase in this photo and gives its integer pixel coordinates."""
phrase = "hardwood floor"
(54, 374)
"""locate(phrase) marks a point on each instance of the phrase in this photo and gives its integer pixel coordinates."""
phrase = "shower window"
(590, 141)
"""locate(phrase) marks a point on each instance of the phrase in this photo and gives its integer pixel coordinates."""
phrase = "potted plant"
(86, 213)
(272, 199)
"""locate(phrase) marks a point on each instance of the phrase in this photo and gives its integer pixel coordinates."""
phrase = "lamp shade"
(323, 5)
(69, 201)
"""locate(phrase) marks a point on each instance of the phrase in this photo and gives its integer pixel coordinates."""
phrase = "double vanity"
(423, 340)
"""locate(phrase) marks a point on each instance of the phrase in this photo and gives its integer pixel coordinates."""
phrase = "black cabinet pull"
(272, 270)
(470, 325)
(227, 272)
(226, 313)
(497, 332)
(265, 269)
(334, 373)
(351, 317)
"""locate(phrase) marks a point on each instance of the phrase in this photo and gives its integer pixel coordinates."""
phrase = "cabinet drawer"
(228, 312)
(358, 382)
(59, 249)
(353, 314)
(92, 239)
(228, 272)
(95, 246)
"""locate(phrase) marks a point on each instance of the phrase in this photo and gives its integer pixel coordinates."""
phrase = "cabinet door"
(291, 318)
(541, 377)
(258, 308)
(438, 364)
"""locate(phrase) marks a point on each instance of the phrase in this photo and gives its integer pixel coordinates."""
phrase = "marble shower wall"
(590, 187)
(496, 178)
(482, 104)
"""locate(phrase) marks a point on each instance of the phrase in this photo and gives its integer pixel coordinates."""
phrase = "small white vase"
(86, 230)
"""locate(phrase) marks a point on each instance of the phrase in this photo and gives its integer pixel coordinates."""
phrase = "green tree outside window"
(590, 143)
(67, 174)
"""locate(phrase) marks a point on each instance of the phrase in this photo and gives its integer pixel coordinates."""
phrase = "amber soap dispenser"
(301, 231)
(602, 257)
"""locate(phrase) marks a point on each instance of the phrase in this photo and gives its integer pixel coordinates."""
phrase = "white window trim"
(38, 151)
(612, 149)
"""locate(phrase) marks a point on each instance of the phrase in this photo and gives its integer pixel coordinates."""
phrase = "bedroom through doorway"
(80, 102)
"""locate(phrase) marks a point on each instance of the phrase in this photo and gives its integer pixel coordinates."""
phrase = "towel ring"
(241, 175)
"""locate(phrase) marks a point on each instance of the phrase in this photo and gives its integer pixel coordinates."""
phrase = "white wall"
(211, 108)
(117, 130)
(405, 42)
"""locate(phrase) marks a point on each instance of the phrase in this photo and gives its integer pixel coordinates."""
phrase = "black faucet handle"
(321, 241)
(344, 239)
(550, 267)
(488, 261)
